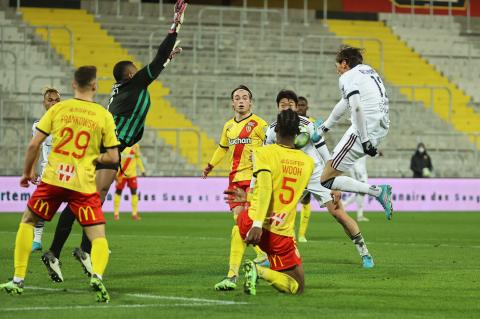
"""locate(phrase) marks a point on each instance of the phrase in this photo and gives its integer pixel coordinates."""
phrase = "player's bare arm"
(30, 157)
(109, 157)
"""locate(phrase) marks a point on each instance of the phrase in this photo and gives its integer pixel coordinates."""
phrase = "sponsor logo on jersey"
(65, 172)
(277, 219)
(42, 207)
(84, 213)
(238, 140)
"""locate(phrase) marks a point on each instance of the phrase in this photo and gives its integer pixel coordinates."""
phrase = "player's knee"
(29, 217)
(327, 183)
(133, 191)
(118, 192)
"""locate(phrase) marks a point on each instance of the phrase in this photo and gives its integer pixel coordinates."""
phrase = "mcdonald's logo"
(41, 205)
(83, 214)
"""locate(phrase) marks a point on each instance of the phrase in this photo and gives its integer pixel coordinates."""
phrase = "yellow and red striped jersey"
(241, 138)
(290, 170)
(78, 128)
(131, 158)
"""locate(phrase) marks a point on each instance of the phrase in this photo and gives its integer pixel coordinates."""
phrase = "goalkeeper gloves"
(179, 11)
(369, 149)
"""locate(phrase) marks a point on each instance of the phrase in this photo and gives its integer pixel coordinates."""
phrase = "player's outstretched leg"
(53, 266)
(385, 199)
(250, 273)
(84, 260)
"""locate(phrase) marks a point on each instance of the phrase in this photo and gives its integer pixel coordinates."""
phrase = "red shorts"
(281, 250)
(46, 200)
(130, 181)
(245, 185)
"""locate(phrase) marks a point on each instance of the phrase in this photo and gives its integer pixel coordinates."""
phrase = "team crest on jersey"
(65, 172)
(249, 126)
(277, 219)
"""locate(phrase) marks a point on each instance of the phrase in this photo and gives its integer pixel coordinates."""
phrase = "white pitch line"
(226, 302)
(320, 241)
(148, 296)
(112, 306)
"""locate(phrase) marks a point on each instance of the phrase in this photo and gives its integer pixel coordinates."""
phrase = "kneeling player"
(282, 173)
(78, 127)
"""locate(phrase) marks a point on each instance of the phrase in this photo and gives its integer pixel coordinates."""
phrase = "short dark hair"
(241, 87)
(48, 90)
(287, 94)
(119, 70)
(84, 75)
(302, 98)
(353, 56)
(287, 123)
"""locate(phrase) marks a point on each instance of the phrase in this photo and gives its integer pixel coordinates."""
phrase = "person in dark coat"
(421, 163)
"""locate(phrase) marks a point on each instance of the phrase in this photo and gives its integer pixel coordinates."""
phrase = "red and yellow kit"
(131, 159)
(241, 138)
(78, 129)
(290, 172)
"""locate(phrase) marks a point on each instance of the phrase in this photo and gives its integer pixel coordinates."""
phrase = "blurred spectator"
(421, 164)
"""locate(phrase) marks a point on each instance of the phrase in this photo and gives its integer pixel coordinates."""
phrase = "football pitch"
(165, 266)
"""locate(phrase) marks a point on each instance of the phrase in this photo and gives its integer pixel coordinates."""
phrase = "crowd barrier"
(194, 194)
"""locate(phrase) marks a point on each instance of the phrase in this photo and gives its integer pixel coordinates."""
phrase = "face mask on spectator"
(421, 150)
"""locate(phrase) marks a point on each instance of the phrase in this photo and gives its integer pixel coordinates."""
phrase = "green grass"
(427, 266)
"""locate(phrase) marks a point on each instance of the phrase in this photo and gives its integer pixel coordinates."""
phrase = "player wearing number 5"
(364, 95)
(78, 128)
(281, 174)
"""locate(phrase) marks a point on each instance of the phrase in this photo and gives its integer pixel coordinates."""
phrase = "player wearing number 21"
(78, 128)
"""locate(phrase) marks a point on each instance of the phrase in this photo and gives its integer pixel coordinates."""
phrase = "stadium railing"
(160, 4)
(48, 29)
(322, 49)
(431, 93)
(13, 142)
(15, 64)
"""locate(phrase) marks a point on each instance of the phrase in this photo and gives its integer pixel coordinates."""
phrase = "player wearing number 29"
(364, 95)
(78, 128)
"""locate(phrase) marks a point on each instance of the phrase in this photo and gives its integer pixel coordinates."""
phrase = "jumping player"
(129, 105)
(241, 135)
(365, 96)
(79, 128)
(318, 151)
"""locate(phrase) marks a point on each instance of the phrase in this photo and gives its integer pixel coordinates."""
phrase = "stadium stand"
(225, 49)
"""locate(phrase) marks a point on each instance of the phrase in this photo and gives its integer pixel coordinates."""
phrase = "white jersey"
(366, 82)
(310, 149)
(44, 151)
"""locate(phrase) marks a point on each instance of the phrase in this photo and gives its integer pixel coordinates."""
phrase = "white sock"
(348, 184)
(360, 244)
(38, 232)
(360, 201)
(17, 279)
